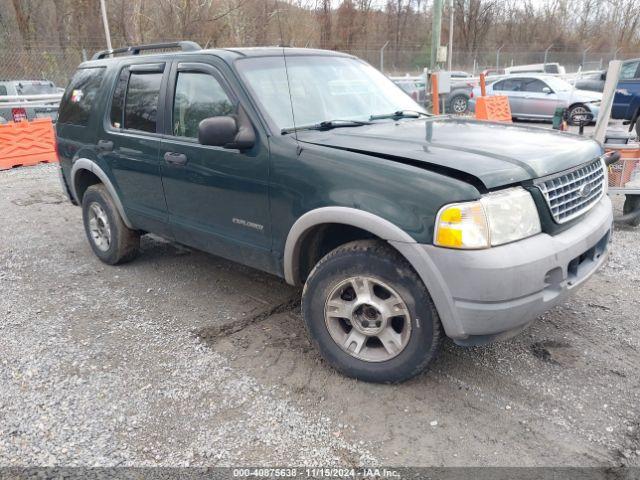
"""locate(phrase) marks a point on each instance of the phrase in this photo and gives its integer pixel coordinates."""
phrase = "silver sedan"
(538, 96)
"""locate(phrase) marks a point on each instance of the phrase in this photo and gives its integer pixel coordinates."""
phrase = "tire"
(632, 204)
(575, 109)
(110, 239)
(418, 331)
(459, 104)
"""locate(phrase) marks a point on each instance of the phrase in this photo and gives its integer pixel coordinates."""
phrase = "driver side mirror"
(546, 90)
(231, 131)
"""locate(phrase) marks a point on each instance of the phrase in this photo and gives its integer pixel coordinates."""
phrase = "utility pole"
(450, 54)
(436, 26)
(105, 22)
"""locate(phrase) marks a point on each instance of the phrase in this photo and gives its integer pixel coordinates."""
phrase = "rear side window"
(3, 90)
(141, 101)
(117, 104)
(75, 107)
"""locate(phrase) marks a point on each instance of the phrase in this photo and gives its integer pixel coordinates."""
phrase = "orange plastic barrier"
(494, 108)
(27, 143)
(435, 95)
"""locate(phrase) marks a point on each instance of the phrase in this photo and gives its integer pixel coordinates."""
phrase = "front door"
(130, 145)
(217, 197)
(539, 101)
(628, 87)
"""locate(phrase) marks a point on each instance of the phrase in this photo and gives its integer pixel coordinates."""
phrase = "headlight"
(495, 219)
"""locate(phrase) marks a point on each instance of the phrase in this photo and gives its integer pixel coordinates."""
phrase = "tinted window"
(141, 104)
(3, 90)
(629, 70)
(117, 103)
(198, 96)
(510, 85)
(80, 96)
(533, 85)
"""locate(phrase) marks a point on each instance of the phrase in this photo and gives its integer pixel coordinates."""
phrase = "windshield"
(557, 84)
(35, 88)
(322, 89)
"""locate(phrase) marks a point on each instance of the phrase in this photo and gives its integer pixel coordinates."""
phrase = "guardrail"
(18, 101)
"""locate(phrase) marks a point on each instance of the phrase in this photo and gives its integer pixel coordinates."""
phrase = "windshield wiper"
(400, 114)
(326, 125)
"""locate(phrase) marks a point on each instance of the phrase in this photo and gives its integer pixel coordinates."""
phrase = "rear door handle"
(174, 158)
(105, 145)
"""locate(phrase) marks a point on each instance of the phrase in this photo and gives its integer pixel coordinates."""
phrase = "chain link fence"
(413, 60)
(58, 65)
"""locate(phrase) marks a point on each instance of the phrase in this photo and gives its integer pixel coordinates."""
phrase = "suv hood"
(496, 154)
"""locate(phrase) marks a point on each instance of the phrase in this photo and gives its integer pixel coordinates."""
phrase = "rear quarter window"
(80, 96)
(3, 90)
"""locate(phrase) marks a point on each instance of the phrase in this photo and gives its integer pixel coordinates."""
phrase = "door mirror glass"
(546, 90)
(217, 131)
(231, 131)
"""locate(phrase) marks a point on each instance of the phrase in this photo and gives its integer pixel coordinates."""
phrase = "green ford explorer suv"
(313, 166)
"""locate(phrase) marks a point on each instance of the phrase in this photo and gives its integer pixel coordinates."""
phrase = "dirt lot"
(180, 358)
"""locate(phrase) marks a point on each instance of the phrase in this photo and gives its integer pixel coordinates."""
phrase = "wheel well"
(83, 180)
(320, 240)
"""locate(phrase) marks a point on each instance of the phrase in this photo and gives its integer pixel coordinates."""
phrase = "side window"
(509, 85)
(533, 85)
(198, 96)
(117, 103)
(80, 96)
(141, 101)
(499, 86)
(3, 90)
(629, 70)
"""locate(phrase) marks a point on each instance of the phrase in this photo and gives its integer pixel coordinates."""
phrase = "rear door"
(626, 100)
(511, 87)
(217, 197)
(131, 143)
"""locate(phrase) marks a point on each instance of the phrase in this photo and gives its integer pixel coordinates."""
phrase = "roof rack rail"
(185, 46)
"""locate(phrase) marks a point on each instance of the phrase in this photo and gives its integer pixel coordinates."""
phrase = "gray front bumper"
(490, 293)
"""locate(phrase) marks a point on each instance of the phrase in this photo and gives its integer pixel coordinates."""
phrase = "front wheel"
(578, 110)
(632, 204)
(370, 315)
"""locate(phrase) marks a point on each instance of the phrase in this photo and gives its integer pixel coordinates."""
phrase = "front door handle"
(174, 158)
(105, 145)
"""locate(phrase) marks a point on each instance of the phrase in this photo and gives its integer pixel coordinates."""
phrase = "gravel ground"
(181, 358)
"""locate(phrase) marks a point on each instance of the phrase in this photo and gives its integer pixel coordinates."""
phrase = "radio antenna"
(286, 71)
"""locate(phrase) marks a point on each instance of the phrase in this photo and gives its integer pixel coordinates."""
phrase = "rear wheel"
(110, 239)
(369, 314)
(459, 104)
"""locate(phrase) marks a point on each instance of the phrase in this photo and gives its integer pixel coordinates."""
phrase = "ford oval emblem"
(585, 190)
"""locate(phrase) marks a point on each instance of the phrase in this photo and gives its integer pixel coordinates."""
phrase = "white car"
(538, 96)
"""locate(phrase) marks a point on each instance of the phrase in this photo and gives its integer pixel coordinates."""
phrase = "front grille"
(572, 194)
